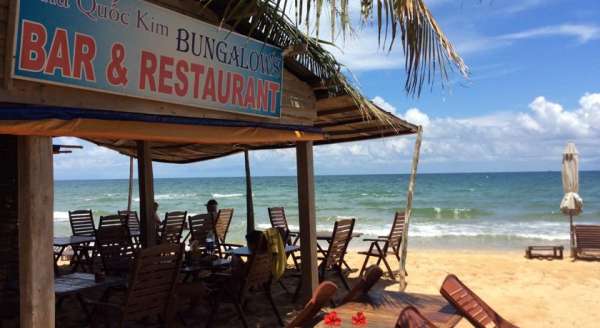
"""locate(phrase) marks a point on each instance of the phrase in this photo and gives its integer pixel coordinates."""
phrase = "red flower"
(332, 319)
(359, 319)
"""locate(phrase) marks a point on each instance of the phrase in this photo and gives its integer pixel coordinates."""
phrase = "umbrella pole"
(572, 236)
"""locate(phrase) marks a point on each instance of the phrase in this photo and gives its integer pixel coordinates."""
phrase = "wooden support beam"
(408, 209)
(249, 200)
(307, 217)
(334, 111)
(379, 130)
(36, 231)
(341, 122)
(146, 188)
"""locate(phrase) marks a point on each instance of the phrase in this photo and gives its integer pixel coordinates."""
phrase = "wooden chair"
(200, 226)
(382, 246)
(256, 275)
(364, 284)
(150, 290)
(222, 223)
(133, 224)
(410, 317)
(334, 256)
(82, 224)
(587, 241)
(308, 317)
(112, 221)
(116, 250)
(172, 227)
(279, 221)
(470, 305)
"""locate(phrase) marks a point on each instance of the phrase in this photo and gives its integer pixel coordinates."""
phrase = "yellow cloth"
(278, 249)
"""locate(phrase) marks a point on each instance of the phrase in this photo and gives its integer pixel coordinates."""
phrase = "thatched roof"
(343, 114)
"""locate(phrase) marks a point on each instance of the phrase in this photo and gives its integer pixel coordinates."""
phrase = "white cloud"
(535, 137)
(582, 32)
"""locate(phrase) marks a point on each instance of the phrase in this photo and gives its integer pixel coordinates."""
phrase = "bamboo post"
(408, 209)
(249, 200)
(129, 196)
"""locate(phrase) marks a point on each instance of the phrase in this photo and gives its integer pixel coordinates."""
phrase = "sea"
(505, 211)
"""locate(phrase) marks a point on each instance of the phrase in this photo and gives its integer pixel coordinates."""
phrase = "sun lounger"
(308, 317)
(587, 241)
(470, 305)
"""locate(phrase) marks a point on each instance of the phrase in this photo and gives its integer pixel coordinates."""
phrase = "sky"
(534, 86)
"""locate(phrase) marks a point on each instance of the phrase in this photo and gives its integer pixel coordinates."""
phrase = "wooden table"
(245, 251)
(192, 271)
(382, 308)
(76, 283)
(63, 242)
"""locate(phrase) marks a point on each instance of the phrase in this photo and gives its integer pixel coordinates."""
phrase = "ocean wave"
(60, 216)
(226, 195)
(450, 213)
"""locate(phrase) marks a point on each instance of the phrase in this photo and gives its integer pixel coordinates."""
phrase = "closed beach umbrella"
(571, 203)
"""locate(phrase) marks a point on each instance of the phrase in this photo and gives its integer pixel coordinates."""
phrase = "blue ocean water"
(470, 210)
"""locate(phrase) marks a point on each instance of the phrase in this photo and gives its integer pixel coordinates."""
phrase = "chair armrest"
(231, 245)
(375, 239)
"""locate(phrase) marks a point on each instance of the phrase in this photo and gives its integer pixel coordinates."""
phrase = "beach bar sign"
(138, 49)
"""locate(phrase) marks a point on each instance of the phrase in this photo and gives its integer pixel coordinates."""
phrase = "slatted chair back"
(259, 268)
(152, 281)
(112, 221)
(410, 317)
(172, 227)
(470, 305)
(342, 233)
(133, 221)
(82, 223)
(200, 225)
(278, 219)
(364, 285)
(587, 237)
(321, 297)
(116, 251)
(222, 223)
(395, 237)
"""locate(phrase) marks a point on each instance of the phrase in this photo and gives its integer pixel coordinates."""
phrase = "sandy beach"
(529, 293)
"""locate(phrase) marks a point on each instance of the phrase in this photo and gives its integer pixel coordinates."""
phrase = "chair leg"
(270, 297)
(341, 274)
(387, 265)
(364, 266)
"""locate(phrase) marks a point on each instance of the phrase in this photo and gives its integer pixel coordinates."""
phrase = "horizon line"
(323, 175)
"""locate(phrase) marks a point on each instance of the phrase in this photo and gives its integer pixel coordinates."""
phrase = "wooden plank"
(335, 102)
(340, 110)
(408, 209)
(148, 228)
(36, 229)
(341, 122)
(307, 217)
(249, 200)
